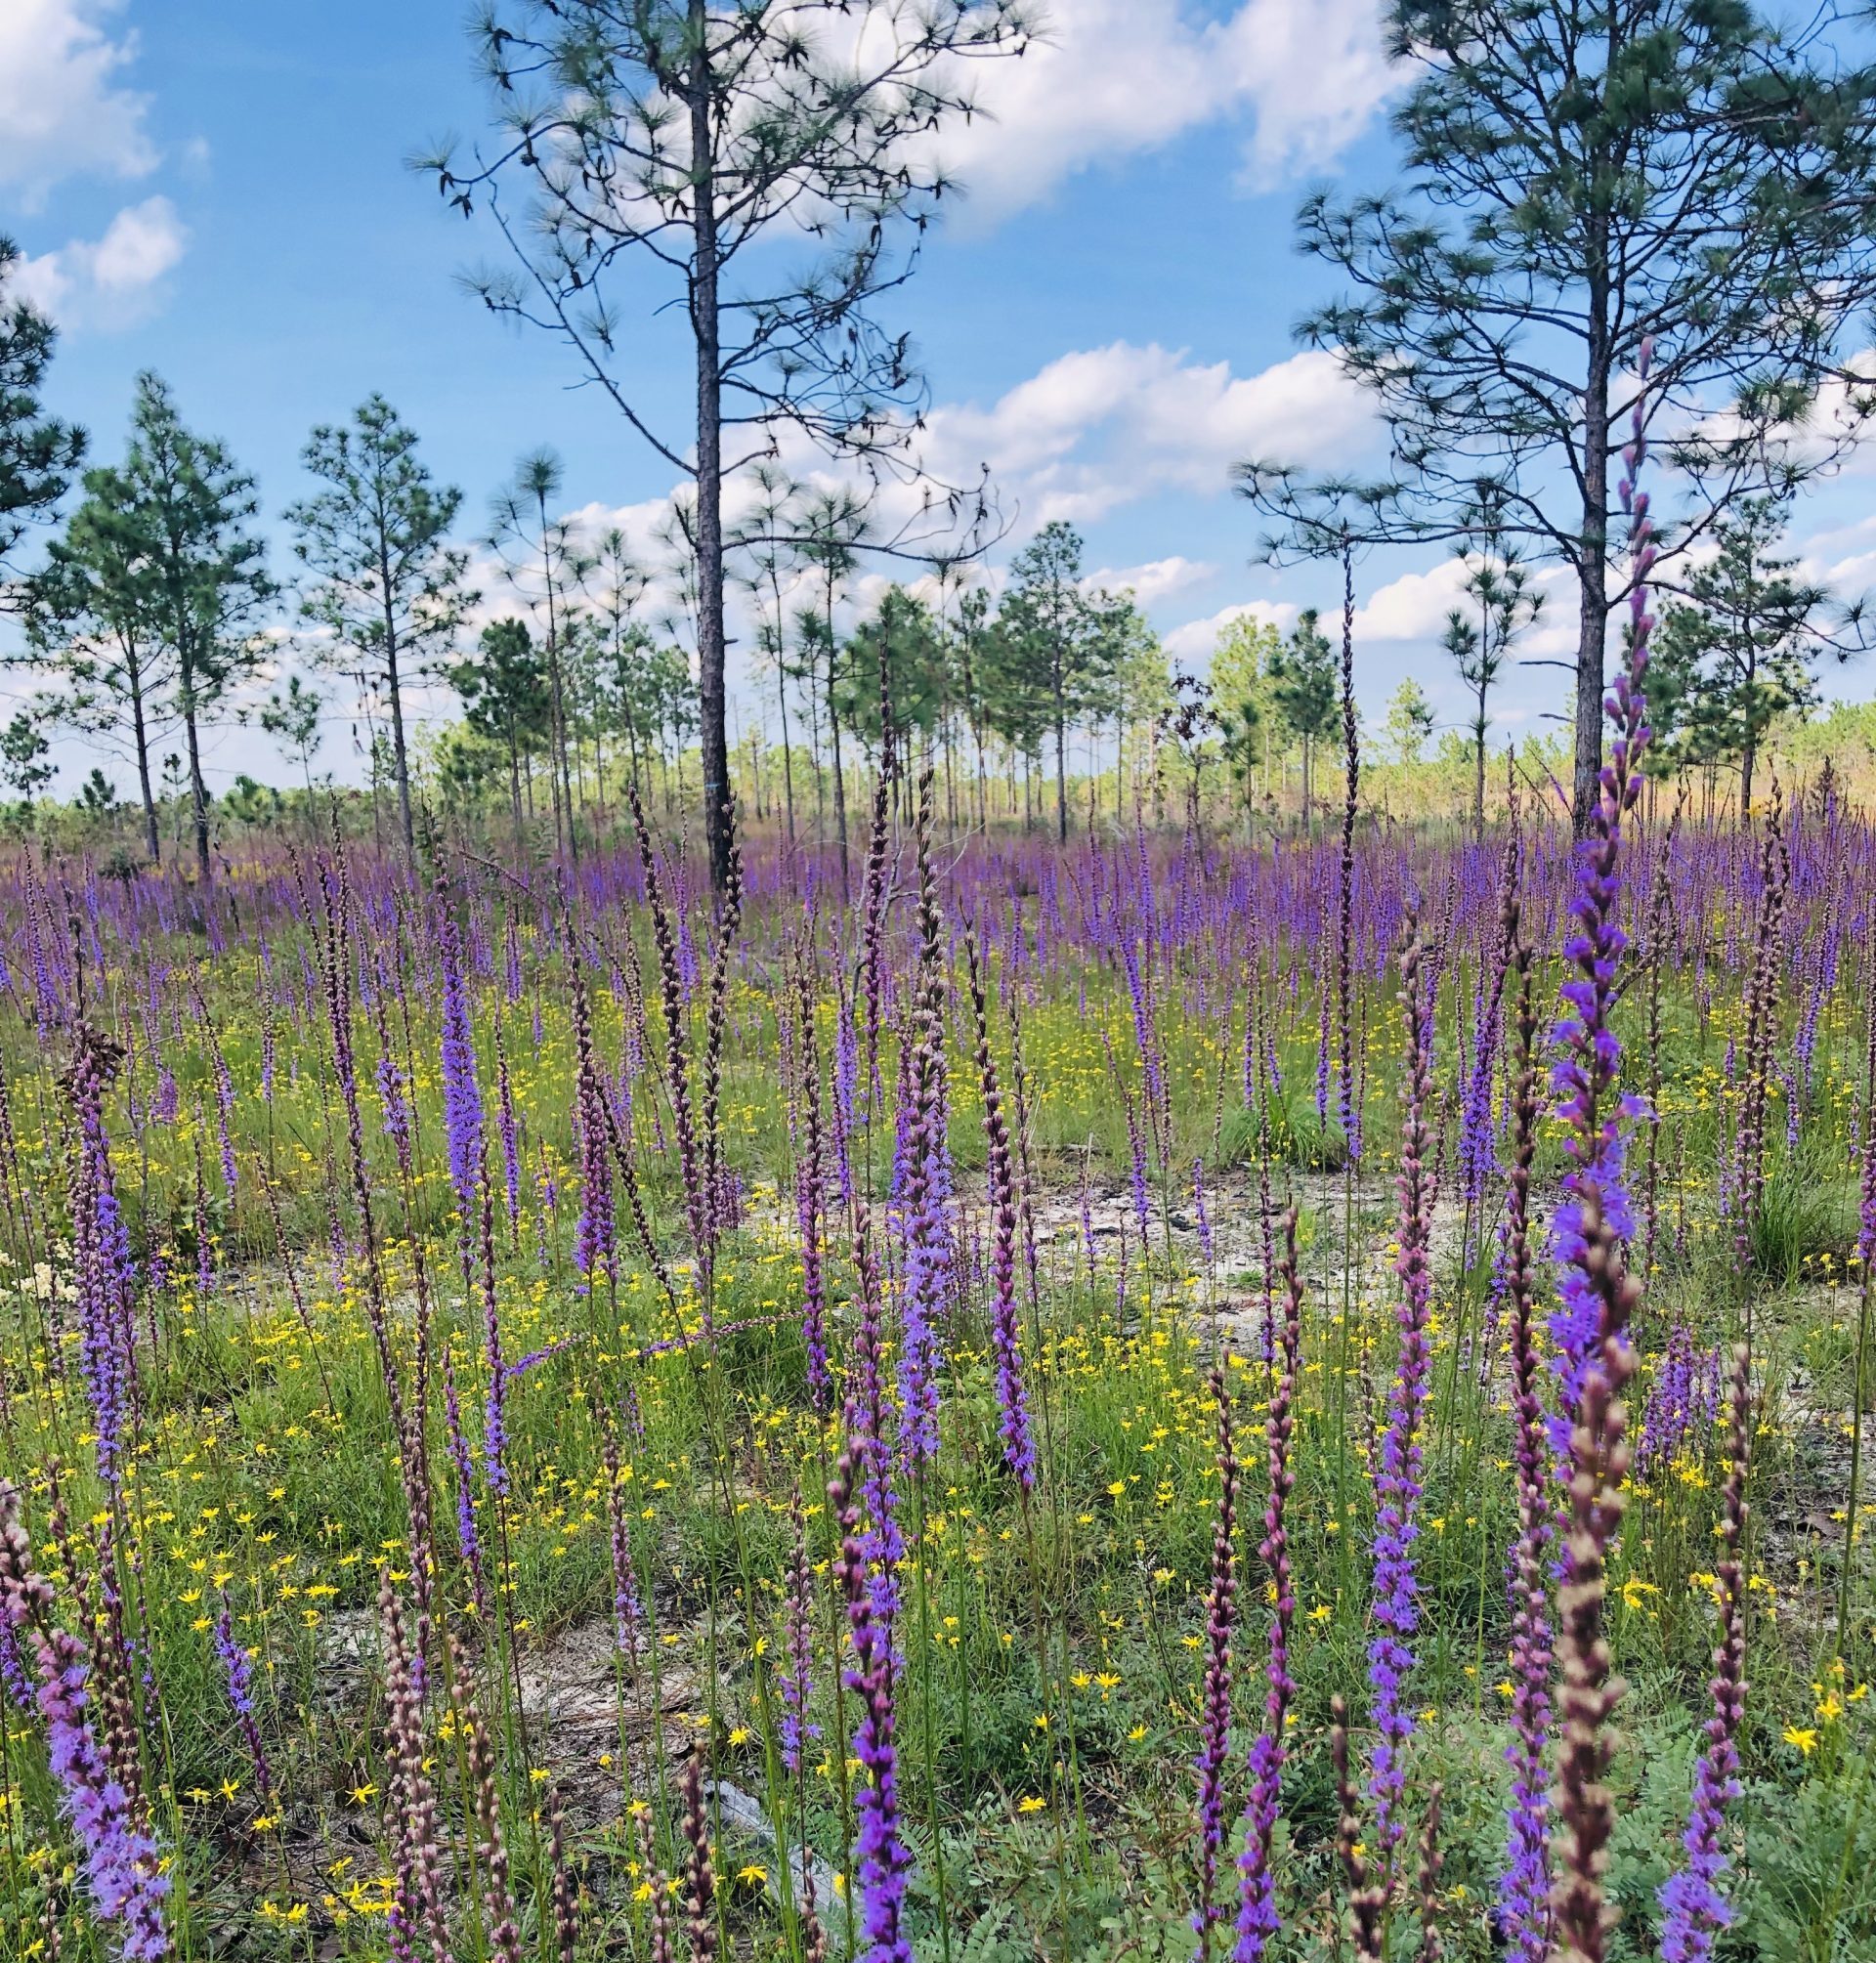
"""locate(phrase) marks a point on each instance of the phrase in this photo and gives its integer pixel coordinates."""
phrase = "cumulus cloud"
(1157, 580)
(1414, 607)
(110, 281)
(1194, 643)
(1100, 427)
(1113, 79)
(1087, 434)
(64, 110)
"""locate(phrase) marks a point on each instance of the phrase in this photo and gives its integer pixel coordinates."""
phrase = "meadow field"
(1036, 1405)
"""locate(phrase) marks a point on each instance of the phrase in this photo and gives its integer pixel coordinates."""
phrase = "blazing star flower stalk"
(1598, 1293)
(1693, 1910)
(123, 1867)
(677, 1062)
(15, 1682)
(1348, 1102)
(699, 1872)
(269, 1042)
(1748, 1184)
(100, 1254)
(565, 1909)
(797, 1649)
(626, 1613)
(1525, 1888)
(390, 1082)
(1367, 1896)
(506, 1125)
(868, 1421)
(593, 1244)
(468, 1540)
(926, 1177)
(880, 1855)
(1398, 1482)
(1013, 1398)
(720, 1205)
(224, 1111)
(491, 1847)
(237, 1670)
(1426, 1882)
(1257, 1921)
(807, 1200)
(122, 1862)
(1215, 1702)
(658, 1892)
(494, 1426)
(416, 1855)
(873, 902)
(461, 1096)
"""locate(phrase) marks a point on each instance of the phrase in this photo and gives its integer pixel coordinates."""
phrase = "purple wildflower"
(1012, 1400)
(462, 1097)
(1257, 1897)
(1214, 1724)
(1599, 1293)
(1692, 1905)
(1397, 1483)
(468, 1541)
(880, 1855)
(238, 1670)
(797, 1651)
(122, 1862)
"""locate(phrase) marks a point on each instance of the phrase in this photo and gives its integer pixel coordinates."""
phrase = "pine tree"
(1054, 651)
(1305, 691)
(689, 138)
(385, 583)
(1501, 603)
(94, 623)
(1410, 721)
(505, 699)
(38, 454)
(1741, 648)
(207, 572)
(1582, 183)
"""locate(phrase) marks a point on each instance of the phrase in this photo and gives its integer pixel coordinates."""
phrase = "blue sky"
(218, 190)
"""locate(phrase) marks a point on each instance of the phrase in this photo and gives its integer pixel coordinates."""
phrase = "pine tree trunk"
(1594, 585)
(153, 837)
(788, 764)
(711, 639)
(393, 684)
(839, 778)
(197, 791)
(1061, 775)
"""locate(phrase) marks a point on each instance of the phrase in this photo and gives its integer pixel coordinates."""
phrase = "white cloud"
(62, 109)
(1415, 606)
(1112, 78)
(109, 281)
(1157, 580)
(1315, 75)
(1102, 427)
(1087, 434)
(1195, 642)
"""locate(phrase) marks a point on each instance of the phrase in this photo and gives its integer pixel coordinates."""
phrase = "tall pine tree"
(1583, 179)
